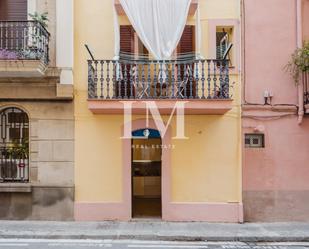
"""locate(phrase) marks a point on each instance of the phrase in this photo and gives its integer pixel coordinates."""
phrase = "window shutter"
(126, 46)
(187, 41)
(13, 10)
(126, 39)
(187, 45)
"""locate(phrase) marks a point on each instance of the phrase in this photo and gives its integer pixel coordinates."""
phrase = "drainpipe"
(299, 38)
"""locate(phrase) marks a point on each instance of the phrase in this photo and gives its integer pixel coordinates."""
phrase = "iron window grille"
(14, 145)
(24, 40)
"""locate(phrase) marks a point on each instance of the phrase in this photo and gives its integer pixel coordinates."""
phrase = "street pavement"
(120, 244)
(156, 230)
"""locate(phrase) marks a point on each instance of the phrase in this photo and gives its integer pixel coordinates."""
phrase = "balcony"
(204, 85)
(23, 49)
(14, 165)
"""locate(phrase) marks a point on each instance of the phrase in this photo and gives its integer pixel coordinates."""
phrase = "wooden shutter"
(13, 10)
(126, 46)
(145, 50)
(187, 41)
(126, 39)
(185, 46)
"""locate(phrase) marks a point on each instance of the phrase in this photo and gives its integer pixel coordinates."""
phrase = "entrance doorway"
(146, 174)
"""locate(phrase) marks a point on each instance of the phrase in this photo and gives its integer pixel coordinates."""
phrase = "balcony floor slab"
(165, 107)
(22, 68)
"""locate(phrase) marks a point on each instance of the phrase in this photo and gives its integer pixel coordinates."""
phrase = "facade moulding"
(268, 112)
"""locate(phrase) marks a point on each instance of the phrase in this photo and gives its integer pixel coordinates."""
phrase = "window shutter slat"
(126, 39)
(126, 46)
(13, 10)
(187, 44)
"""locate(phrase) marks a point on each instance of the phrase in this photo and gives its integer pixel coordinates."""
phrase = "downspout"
(299, 38)
(243, 51)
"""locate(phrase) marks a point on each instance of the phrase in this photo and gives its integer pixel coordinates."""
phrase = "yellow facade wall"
(205, 168)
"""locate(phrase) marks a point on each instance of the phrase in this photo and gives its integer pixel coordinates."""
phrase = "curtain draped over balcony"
(158, 23)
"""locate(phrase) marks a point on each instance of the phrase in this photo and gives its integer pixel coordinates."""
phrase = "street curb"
(163, 238)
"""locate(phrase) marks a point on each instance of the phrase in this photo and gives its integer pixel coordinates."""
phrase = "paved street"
(119, 244)
(156, 230)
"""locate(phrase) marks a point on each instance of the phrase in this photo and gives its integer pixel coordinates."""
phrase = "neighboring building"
(196, 179)
(36, 111)
(276, 147)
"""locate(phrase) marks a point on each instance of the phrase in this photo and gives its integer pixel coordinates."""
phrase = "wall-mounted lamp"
(268, 95)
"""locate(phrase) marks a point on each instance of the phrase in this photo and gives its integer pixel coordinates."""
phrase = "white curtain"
(116, 34)
(198, 33)
(158, 23)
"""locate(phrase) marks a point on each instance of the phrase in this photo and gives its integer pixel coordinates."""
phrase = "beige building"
(36, 110)
(126, 170)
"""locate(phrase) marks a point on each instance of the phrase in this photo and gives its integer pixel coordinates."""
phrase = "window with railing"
(154, 79)
(137, 76)
(14, 145)
(224, 43)
(23, 40)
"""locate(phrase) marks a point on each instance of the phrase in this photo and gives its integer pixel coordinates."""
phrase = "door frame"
(165, 167)
(132, 184)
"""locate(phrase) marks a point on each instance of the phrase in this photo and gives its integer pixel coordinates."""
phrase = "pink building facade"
(275, 174)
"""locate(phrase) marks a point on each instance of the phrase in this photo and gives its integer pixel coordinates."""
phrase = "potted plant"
(35, 33)
(299, 62)
(16, 157)
(40, 18)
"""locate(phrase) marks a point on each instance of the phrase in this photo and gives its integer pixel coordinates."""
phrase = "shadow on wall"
(42, 203)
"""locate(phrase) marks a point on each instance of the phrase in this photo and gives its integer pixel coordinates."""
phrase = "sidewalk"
(157, 230)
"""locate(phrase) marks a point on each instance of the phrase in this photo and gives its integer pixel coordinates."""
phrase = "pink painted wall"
(284, 162)
(275, 178)
(305, 14)
(270, 39)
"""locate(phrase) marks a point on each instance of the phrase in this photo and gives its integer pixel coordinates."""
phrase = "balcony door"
(186, 51)
(132, 48)
(12, 33)
(13, 10)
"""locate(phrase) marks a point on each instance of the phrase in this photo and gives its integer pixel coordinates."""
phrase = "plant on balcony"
(41, 18)
(299, 62)
(8, 55)
(13, 157)
(19, 150)
(30, 54)
(36, 35)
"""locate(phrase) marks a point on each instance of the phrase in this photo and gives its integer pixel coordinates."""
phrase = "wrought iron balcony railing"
(153, 79)
(14, 164)
(23, 40)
